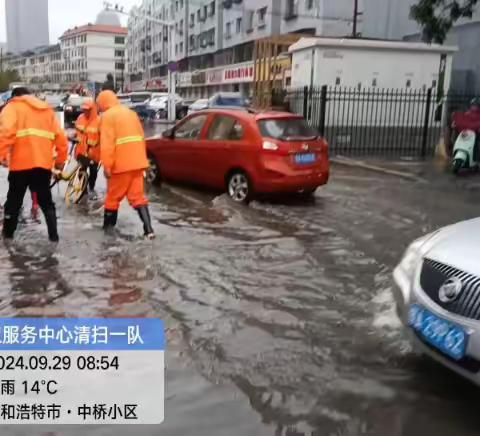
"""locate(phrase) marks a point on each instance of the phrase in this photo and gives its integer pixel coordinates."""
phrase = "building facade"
(213, 40)
(90, 52)
(85, 54)
(42, 65)
(27, 24)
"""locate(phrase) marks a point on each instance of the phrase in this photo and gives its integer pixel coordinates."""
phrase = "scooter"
(463, 151)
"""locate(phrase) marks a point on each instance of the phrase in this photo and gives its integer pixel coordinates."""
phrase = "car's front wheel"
(239, 187)
(152, 174)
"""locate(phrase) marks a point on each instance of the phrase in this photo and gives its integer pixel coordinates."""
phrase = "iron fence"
(374, 121)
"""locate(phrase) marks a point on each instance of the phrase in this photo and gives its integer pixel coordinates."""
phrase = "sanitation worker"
(124, 158)
(30, 134)
(88, 148)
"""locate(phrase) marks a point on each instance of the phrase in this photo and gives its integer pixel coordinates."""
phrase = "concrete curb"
(359, 164)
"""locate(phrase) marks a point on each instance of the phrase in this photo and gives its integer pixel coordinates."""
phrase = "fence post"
(305, 102)
(426, 123)
(323, 110)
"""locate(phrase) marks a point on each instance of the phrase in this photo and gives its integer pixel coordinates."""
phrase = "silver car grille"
(434, 274)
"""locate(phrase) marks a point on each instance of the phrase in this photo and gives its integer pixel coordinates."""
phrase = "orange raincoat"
(88, 132)
(30, 135)
(123, 152)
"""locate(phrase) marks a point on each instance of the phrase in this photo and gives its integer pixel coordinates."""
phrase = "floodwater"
(279, 315)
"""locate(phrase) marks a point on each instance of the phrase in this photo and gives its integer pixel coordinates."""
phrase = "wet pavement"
(279, 315)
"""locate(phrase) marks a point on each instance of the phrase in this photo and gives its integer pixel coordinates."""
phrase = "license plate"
(305, 158)
(447, 337)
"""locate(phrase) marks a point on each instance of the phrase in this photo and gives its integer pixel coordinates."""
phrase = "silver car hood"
(457, 245)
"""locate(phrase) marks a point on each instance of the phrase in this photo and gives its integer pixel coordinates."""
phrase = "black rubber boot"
(51, 220)
(10, 222)
(109, 219)
(144, 215)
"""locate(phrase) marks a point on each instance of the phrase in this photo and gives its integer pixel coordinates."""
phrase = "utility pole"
(356, 14)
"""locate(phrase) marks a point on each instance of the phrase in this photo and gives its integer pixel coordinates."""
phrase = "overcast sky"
(65, 14)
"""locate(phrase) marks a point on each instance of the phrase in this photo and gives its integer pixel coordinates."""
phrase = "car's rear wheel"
(239, 187)
(152, 174)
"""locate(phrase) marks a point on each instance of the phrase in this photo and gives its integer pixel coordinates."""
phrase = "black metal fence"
(376, 122)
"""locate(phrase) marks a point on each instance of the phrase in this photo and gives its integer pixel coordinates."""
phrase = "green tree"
(436, 17)
(7, 77)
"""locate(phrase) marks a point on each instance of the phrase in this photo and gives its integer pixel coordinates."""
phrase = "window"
(181, 4)
(191, 128)
(119, 40)
(192, 20)
(228, 31)
(180, 30)
(176, 6)
(225, 128)
(249, 21)
(192, 42)
(434, 84)
(181, 47)
(262, 13)
(374, 82)
(337, 81)
(199, 15)
(292, 9)
(205, 12)
(292, 128)
(119, 53)
(409, 83)
(212, 9)
(309, 4)
(239, 25)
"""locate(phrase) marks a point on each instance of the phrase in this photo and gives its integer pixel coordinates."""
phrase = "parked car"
(159, 103)
(241, 152)
(228, 99)
(437, 296)
(198, 105)
(125, 100)
(72, 105)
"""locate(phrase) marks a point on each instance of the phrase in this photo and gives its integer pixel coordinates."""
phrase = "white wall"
(391, 69)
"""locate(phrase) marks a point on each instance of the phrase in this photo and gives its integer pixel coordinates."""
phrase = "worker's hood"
(106, 100)
(32, 101)
(89, 105)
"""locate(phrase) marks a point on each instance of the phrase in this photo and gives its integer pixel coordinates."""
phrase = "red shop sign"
(239, 74)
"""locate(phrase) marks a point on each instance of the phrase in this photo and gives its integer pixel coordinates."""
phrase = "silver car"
(437, 292)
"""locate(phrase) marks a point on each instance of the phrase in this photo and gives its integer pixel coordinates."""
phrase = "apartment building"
(214, 39)
(85, 54)
(42, 65)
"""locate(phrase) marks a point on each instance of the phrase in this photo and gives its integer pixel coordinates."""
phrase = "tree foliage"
(436, 17)
(7, 77)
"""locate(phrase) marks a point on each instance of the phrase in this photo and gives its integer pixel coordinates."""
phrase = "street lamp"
(172, 67)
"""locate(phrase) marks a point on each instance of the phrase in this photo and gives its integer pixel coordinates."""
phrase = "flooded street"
(279, 315)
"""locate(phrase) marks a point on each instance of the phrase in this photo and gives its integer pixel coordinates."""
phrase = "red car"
(241, 152)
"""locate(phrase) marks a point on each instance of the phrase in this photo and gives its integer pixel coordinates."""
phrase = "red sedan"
(241, 152)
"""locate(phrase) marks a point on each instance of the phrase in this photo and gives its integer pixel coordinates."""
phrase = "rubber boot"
(109, 219)
(144, 215)
(51, 220)
(10, 222)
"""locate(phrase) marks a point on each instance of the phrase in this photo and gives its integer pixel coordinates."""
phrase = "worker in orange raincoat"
(88, 148)
(30, 134)
(124, 157)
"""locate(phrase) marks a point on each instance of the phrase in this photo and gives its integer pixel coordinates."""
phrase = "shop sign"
(243, 73)
(215, 76)
(199, 78)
